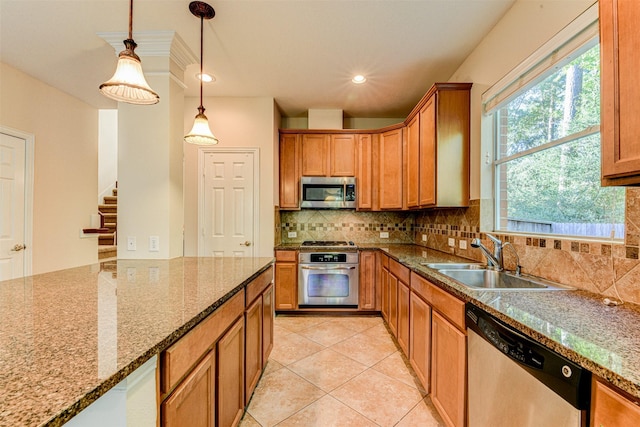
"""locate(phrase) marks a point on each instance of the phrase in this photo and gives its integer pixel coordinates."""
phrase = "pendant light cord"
(201, 59)
(130, 19)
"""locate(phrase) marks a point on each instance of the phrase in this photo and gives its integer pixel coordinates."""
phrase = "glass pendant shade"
(128, 83)
(200, 133)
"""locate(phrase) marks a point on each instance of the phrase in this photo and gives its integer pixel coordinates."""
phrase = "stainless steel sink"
(486, 279)
(452, 265)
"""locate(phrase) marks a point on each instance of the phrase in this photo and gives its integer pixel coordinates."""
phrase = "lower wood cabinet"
(253, 346)
(403, 316)
(268, 314)
(610, 408)
(193, 401)
(286, 280)
(383, 267)
(448, 370)
(230, 376)
(420, 339)
(367, 281)
(392, 318)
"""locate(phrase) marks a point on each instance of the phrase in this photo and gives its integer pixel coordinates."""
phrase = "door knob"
(18, 248)
(247, 243)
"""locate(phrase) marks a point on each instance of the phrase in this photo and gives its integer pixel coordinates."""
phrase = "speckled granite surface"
(67, 337)
(576, 324)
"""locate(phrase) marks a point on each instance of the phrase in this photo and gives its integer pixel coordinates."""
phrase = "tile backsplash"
(609, 268)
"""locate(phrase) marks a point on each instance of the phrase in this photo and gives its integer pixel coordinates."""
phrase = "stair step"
(112, 227)
(107, 252)
(106, 239)
(108, 208)
(110, 200)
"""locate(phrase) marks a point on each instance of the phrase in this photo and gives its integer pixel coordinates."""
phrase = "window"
(547, 162)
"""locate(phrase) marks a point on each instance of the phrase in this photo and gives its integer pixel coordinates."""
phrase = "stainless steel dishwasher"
(515, 381)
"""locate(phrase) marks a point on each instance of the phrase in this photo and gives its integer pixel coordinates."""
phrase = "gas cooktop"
(327, 244)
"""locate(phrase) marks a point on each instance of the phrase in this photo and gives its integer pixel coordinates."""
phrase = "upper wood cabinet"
(328, 154)
(620, 91)
(412, 135)
(427, 153)
(390, 170)
(342, 151)
(289, 171)
(315, 152)
(364, 172)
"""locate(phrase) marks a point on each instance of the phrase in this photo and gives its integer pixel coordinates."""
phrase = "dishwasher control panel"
(514, 349)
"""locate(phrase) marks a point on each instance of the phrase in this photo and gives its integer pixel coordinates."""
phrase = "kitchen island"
(68, 337)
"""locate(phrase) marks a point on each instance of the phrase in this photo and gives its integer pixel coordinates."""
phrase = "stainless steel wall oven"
(328, 279)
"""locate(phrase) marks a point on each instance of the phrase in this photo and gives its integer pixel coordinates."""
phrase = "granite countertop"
(69, 336)
(576, 323)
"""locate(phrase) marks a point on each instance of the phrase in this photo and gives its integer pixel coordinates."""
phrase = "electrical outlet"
(292, 234)
(462, 244)
(131, 274)
(131, 243)
(154, 243)
(424, 237)
(384, 234)
(154, 274)
(452, 242)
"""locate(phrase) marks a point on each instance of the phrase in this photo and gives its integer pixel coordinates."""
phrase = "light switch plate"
(424, 237)
(462, 244)
(292, 234)
(384, 234)
(131, 243)
(452, 242)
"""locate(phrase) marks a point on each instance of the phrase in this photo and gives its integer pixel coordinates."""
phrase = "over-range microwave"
(327, 193)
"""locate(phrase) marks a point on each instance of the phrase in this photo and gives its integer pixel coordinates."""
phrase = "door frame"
(255, 152)
(29, 168)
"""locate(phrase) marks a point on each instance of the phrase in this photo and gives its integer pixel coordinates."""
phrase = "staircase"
(107, 241)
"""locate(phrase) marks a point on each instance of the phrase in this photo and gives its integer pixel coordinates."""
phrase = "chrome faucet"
(518, 270)
(495, 260)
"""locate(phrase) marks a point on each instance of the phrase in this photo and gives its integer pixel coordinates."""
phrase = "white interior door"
(227, 204)
(12, 213)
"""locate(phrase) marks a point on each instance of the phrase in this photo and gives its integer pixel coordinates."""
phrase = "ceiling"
(302, 53)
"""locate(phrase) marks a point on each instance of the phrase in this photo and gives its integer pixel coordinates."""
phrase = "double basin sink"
(477, 276)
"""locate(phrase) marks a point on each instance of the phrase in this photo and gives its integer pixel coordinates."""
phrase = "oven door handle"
(304, 267)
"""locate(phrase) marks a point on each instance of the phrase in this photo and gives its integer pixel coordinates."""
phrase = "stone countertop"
(576, 323)
(69, 336)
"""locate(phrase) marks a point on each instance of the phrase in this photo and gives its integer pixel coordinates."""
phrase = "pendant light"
(200, 133)
(128, 83)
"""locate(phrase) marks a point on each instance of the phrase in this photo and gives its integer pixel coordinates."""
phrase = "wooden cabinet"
(620, 91)
(412, 186)
(342, 155)
(390, 170)
(253, 346)
(611, 408)
(314, 154)
(398, 317)
(230, 377)
(289, 171)
(392, 317)
(384, 286)
(328, 154)
(448, 370)
(420, 339)
(403, 316)
(427, 154)
(268, 315)
(286, 280)
(364, 173)
(193, 401)
(367, 281)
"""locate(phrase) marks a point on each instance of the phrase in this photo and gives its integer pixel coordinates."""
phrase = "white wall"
(66, 167)
(522, 30)
(107, 152)
(236, 122)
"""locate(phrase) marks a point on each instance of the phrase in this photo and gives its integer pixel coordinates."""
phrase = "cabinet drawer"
(178, 359)
(287, 256)
(442, 301)
(399, 270)
(258, 285)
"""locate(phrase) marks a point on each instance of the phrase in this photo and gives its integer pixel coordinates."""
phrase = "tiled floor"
(337, 371)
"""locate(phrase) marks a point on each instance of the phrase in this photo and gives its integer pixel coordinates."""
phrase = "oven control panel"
(328, 257)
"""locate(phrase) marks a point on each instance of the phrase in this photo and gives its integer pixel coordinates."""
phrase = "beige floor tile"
(424, 414)
(327, 412)
(280, 395)
(327, 333)
(248, 421)
(365, 348)
(362, 323)
(272, 366)
(327, 369)
(299, 323)
(380, 398)
(279, 331)
(293, 347)
(397, 367)
(378, 331)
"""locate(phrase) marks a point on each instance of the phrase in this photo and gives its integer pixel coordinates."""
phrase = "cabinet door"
(384, 285)
(609, 408)
(420, 338)
(413, 162)
(364, 176)
(286, 280)
(342, 149)
(391, 170)
(427, 180)
(230, 374)
(192, 403)
(448, 370)
(253, 347)
(268, 305)
(367, 281)
(403, 317)
(620, 90)
(393, 304)
(315, 155)
(289, 172)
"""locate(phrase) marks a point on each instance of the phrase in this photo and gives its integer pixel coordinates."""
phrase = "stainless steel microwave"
(328, 193)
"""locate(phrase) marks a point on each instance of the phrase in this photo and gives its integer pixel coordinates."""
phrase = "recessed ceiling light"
(206, 78)
(359, 79)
